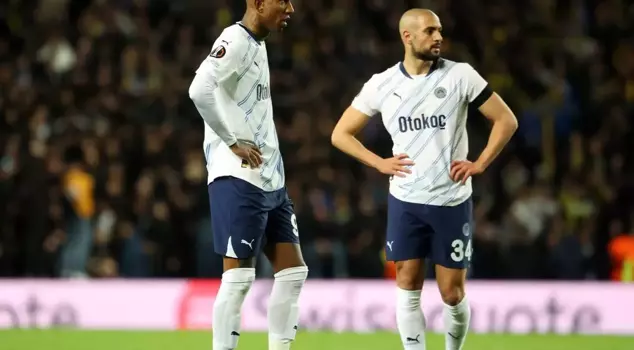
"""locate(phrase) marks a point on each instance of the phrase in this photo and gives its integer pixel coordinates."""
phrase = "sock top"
(292, 273)
(238, 275)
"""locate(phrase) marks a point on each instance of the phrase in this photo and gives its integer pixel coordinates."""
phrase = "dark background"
(110, 79)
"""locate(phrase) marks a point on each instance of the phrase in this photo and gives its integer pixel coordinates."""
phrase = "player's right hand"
(250, 153)
(396, 166)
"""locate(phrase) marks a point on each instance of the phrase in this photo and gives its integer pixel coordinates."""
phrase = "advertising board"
(354, 306)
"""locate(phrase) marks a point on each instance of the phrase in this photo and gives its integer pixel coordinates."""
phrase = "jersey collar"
(252, 34)
(433, 67)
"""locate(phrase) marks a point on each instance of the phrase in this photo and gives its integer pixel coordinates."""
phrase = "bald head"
(421, 34)
(416, 19)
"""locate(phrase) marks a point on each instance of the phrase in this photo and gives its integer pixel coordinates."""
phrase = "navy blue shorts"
(242, 215)
(420, 231)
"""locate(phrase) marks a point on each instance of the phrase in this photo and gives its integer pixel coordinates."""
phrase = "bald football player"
(423, 102)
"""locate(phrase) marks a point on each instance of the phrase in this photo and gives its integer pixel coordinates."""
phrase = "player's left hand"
(461, 170)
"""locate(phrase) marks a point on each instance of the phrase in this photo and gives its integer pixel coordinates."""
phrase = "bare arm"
(504, 126)
(493, 108)
(344, 138)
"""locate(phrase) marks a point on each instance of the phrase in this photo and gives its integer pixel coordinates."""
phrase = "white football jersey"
(238, 68)
(426, 116)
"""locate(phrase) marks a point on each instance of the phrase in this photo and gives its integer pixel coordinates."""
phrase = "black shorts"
(242, 215)
(441, 233)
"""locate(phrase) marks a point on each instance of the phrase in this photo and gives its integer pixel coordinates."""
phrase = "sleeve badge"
(218, 52)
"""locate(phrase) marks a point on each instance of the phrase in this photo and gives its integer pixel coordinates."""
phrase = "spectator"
(78, 189)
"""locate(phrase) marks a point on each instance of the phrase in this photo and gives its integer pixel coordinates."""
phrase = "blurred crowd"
(101, 166)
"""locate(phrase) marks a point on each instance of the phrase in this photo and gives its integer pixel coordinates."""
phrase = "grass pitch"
(195, 340)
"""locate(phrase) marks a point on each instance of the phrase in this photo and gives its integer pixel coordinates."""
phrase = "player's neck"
(415, 66)
(250, 22)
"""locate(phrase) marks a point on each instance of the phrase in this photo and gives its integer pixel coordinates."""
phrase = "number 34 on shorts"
(461, 250)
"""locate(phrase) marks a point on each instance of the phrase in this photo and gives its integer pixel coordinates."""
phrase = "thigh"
(281, 226)
(238, 221)
(407, 235)
(451, 241)
(282, 234)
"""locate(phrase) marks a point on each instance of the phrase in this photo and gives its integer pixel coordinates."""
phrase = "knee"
(452, 293)
(296, 273)
(408, 282)
(287, 287)
(238, 279)
(408, 278)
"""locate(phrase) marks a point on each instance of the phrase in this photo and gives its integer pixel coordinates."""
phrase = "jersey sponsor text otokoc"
(426, 118)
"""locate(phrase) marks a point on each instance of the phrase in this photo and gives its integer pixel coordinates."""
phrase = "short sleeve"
(224, 59)
(477, 89)
(366, 101)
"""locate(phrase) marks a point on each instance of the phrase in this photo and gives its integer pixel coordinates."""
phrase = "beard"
(426, 55)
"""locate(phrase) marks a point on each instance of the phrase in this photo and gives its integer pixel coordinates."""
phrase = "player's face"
(276, 13)
(426, 41)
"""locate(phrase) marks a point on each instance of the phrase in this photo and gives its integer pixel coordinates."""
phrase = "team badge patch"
(466, 230)
(440, 92)
(218, 52)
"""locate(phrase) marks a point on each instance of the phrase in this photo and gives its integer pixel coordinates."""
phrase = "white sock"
(227, 306)
(456, 319)
(410, 320)
(283, 313)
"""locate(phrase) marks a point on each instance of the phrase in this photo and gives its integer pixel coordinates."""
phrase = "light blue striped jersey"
(426, 117)
(238, 63)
